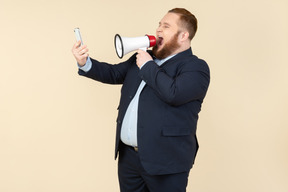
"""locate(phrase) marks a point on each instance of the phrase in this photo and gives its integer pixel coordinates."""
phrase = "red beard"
(168, 49)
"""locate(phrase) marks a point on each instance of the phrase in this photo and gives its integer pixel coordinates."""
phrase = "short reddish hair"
(187, 20)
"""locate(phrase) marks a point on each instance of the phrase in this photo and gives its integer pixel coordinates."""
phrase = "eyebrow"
(165, 23)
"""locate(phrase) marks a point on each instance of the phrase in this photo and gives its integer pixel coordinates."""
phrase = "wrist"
(87, 66)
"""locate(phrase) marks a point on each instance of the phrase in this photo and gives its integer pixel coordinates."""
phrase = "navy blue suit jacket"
(168, 107)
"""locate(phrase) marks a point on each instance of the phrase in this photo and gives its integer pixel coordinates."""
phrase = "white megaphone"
(124, 45)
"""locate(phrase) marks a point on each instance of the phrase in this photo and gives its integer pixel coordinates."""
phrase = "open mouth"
(160, 41)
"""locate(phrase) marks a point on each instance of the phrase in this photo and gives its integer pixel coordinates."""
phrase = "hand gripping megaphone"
(124, 45)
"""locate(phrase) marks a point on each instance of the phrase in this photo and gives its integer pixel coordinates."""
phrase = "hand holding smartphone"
(80, 52)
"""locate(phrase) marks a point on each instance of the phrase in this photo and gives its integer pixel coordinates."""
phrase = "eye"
(166, 26)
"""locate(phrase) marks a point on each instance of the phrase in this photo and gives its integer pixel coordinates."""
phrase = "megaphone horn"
(124, 45)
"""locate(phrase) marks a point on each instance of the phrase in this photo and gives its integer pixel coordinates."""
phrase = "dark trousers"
(133, 177)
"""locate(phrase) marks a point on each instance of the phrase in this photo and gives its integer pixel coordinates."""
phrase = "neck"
(181, 49)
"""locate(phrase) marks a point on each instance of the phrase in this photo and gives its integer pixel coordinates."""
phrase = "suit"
(168, 107)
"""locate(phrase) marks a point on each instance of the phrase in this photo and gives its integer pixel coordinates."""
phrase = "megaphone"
(124, 45)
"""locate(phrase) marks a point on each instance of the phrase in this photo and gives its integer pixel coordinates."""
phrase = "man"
(161, 97)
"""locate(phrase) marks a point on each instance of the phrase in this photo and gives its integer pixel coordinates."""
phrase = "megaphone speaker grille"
(119, 46)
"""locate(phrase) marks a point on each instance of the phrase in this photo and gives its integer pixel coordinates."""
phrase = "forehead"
(170, 18)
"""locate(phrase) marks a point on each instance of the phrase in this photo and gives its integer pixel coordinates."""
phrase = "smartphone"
(78, 35)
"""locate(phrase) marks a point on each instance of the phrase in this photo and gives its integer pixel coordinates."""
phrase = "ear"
(184, 36)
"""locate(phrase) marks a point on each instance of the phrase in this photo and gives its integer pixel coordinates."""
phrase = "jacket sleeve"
(108, 73)
(190, 82)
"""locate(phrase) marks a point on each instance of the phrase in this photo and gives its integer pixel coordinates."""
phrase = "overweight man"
(161, 97)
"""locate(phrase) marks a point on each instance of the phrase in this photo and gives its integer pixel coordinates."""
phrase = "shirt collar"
(160, 62)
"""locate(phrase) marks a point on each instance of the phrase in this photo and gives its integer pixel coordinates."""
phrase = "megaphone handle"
(143, 48)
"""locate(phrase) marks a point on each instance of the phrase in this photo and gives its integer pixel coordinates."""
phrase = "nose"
(159, 28)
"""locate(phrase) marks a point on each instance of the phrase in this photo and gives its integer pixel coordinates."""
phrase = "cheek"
(168, 35)
(168, 38)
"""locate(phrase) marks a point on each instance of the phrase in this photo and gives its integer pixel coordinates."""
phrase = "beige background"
(57, 129)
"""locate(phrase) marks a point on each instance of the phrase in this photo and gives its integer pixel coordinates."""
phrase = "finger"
(83, 51)
(139, 51)
(85, 55)
(76, 48)
(82, 48)
(83, 58)
(77, 45)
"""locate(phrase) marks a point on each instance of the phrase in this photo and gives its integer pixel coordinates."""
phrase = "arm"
(100, 71)
(190, 83)
(108, 73)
